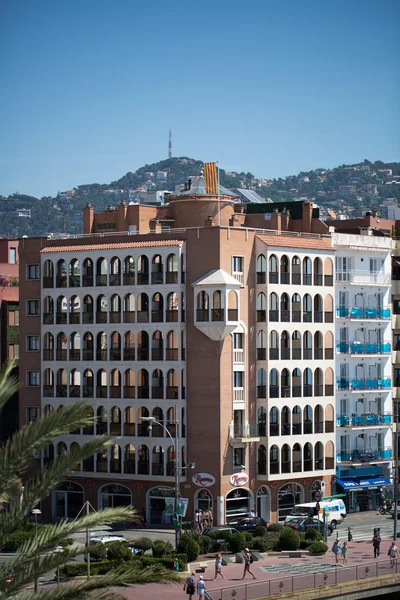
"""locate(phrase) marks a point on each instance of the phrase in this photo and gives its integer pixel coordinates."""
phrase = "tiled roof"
(115, 246)
(309, 243)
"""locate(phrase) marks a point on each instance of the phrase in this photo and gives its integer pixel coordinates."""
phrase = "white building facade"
(363, 368)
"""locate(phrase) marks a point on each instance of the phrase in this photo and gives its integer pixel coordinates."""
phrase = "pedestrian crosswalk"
(300, 568)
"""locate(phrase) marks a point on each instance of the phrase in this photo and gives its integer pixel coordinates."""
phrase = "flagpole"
(219, 204)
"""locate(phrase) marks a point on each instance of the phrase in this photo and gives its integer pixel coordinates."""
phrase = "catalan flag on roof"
(210, 178)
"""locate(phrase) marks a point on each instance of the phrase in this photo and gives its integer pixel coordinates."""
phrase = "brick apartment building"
(217, 322)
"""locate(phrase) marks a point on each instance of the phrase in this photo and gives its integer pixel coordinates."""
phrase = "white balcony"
(239, 276)
(238, 355)
(238, 394)
(358, 277)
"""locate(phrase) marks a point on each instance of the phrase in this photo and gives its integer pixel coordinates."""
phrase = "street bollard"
(349, 535)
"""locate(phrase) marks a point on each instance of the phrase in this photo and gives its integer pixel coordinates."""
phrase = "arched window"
(143, 346)
(129, 383)
(328, 345)
(328, 271)
(274, 463)
(318, 346)
(261, 268)
(329, 455)
(261, 307)
(329, 418)
(74, 273)
(329, 382)
(101, 347)
(115, 459)
(285, 346)
(74, 310)
(261, 460)
(171, 314)
(129, 421)
(143, 384)
(318, 419)
(172, 346)
(307, 419)
(157, 430)
(87, 273)
(273, 269)
(217, 313)
(129, 308)
(233, 306)
(62, 383)
(48, 383)
(143, 308)
(308, 457)
(115, 384)
(296, 345)
(262, 421)
(157, 346)
(296, 458)
(114, 495)
(285, 308)
(307, 309)
(101, 308)
(318, 382)
(296, 420)
(307, 271)
(274, 421)
(74, 384)
(157, 385)
(328, 309)
(157, 461)
(202, 312)
(129, 459)
(289, 495)
(88, 309)
(101, 272)
(88, 384)
(61, 274)
(296, 308)
(129, 271)
(67, 500)
(286, 463)
(318, 271)
(261, 383)
(285, 383)
(285, 421)
(285, 270)
(296, 383)
(307, 383)
(143, 460)
(157, 276)
(157, 308)
(48, 346)
(48, 310)
(273, 307)
(273, 383)
(172, 269)
(172, 391)
(319, 456)
(307, 345)
(238, 503)
(88, 346)
(273, 345)
(318, 308)
(143, 270)
(296, 270)
(48, 274)
(101, 388)
(115, 346)
(115, 308)
(61, 310)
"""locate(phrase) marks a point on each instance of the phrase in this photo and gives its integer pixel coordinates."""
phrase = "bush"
(119, 551)
(67, 542)
(225, 535)
(289, 539)
(143, 543)
(260, 544)
(159, 548)
(192, 550)
(318, 548)
(237, 542)
(276, 527)
(98, 552)
(168, 563)
(15, 540)
(205, 543)
(260, 531)
(79, 569)
(305, 544)
(248, 537)
(313, 535)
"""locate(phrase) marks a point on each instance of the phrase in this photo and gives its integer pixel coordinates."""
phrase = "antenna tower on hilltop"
(170, 144)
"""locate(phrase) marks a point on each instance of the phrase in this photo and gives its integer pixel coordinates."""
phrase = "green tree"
(36, 556)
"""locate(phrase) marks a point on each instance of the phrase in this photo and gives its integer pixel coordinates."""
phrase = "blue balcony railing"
(354, 312)
(371, 383)
(363, 420)
(343, 348)
(364, 455)
(343, 421)
(343, 384)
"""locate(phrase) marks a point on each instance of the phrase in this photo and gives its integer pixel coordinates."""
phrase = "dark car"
(300, 524)
(249, 524)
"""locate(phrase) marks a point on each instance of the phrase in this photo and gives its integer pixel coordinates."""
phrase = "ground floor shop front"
(226, 502)
(363, 487)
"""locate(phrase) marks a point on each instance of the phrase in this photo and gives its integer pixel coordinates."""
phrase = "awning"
(351, 485)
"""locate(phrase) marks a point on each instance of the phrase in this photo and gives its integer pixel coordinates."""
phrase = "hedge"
(318, 548)
(313, 535)
(104, 566)
(276, 527)
(260, 531)
(237, 542)
(289, 539)
(159, 548)
(205, 543)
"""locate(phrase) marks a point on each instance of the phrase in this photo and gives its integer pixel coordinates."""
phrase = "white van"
(335, 511)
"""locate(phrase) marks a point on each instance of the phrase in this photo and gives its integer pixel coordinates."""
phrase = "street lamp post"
(36, 512)
(175, 443)
(396, 469)
(58, 550)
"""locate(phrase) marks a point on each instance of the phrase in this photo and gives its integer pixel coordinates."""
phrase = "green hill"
(368, 186)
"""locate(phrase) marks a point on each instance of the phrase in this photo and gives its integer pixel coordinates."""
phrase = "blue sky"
(91, 88)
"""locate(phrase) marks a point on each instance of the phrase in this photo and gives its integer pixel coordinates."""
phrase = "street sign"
(317, 496)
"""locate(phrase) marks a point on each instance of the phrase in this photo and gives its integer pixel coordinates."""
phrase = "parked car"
(391, 511)
(249, 524)
(300, 524)
(207, 530)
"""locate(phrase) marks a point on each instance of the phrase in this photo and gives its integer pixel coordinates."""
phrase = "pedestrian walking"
(190, 585)
(201, 588)
(344, 553)
(336, 549)
(218, 566)
(393, 553)
(376, 542)
(248, 560)
(197, 520)
(176, 564)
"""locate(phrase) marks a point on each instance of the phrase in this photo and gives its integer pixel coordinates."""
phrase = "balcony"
(239, 275)
(344, 312)
(101, 317)
(142, 278)
(61, 318)
(171, 277)
(87, 280)
(367, 455)
(48, 282)
(115, 317)
(357, 348)
(129, 278)
(61, 354)
(357, 277)
(74, 355)
(48, 391)
(367, 420)
(88, 354)
(74, 318)
(101, 280)
(238, 394)
(261, 277)
(129, 391)
(48, 354)
(115, 279)
(48, 318)
(171, 316)
(371, 384)
(171, 354)
(129, 316)
(87, 317)
(74, 281)
(238, 355)
(244, 433)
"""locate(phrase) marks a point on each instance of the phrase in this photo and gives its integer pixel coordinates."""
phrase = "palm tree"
(36, 557)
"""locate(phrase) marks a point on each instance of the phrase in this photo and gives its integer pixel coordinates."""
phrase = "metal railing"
(363, 277)
(307, 581)
(355, 312)
(366, 455)
(363, 420)
(371, 383)
(361, 348)
(249, 430)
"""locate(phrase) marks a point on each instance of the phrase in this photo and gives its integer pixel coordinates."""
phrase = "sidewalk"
(272, 568)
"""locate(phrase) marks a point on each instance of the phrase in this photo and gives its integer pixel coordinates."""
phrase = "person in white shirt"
(201, 588)
(393, 553)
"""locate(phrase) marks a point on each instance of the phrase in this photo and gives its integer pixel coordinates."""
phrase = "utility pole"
(176, 476)
(170, 144)
(87, 542)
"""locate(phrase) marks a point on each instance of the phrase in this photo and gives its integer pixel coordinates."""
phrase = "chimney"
(306, 220)
(121, 217)
(88, 218)
(285, 219)
(276, 221)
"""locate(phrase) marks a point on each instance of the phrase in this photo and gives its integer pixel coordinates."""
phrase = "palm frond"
(8, 383)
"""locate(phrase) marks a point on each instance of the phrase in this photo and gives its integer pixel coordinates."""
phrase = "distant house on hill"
(24, 212)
